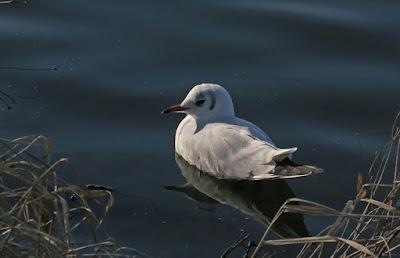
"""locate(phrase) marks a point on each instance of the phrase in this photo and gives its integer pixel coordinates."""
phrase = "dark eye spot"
(200, 102)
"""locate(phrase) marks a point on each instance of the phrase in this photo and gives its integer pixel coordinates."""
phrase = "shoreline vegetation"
(368, 225)
(44, 216)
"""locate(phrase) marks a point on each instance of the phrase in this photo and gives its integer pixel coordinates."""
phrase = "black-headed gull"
(215, 141)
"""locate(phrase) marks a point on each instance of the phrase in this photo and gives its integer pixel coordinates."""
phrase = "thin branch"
(243, 237)
(40, 69)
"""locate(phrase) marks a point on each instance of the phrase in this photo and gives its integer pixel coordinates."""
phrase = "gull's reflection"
(258, 199)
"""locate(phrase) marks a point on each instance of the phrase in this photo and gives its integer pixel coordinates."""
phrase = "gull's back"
(228, 148)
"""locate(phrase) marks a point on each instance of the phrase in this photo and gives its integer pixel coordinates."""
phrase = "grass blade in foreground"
(41, 215)
(368, 226)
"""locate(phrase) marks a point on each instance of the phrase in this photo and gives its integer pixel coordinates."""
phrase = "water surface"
(320, 75)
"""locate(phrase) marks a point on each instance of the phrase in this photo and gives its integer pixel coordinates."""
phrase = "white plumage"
(214, 140)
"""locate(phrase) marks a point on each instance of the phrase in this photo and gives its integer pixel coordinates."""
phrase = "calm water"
(320, 75)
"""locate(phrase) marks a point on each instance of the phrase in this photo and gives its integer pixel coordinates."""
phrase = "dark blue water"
(320, 75)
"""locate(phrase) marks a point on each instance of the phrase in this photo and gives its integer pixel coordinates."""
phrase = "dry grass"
(43, 216)
(368, 225)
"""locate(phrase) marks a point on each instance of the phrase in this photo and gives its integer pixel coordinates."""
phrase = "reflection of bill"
(258, 199)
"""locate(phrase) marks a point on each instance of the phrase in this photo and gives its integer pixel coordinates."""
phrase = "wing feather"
(235, 150)
(236, 153)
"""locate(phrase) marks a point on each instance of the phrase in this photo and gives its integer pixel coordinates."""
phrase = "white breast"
(184, 136)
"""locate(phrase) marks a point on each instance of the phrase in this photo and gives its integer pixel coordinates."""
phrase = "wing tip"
(283, 153)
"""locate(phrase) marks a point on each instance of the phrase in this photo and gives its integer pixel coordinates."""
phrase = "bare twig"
(40, 69)
(243, 237)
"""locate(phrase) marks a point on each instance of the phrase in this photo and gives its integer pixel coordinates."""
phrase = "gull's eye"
(200, 102)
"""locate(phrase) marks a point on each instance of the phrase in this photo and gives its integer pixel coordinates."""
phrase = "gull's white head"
(205, 100)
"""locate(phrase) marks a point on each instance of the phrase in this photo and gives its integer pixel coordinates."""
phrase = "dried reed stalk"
(44, 216)
(368, 225)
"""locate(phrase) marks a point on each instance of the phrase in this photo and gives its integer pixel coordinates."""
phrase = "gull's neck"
(213, 118)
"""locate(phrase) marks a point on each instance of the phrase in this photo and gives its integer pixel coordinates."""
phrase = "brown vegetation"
(44, 216)
(368, 225)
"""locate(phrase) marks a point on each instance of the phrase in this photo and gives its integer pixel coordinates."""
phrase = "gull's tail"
(287, 168)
